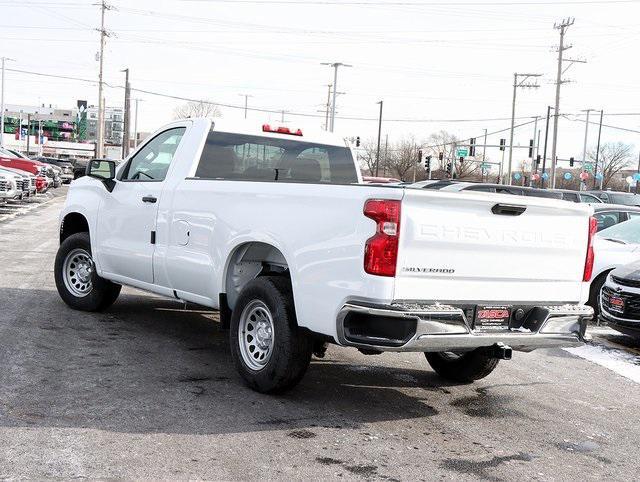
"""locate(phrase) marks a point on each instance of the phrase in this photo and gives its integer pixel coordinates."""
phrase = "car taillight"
(588, 264)
(281, 130)
(381, 250)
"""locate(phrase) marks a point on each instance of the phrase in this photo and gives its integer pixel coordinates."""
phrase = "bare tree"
(403, 158)
(367, 156)
(470, 168)
(197, 109)
(613, 158)
(440, 142)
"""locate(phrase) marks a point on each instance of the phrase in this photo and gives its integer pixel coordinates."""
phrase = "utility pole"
(335, 66)
(516, 84)
(544, 153)
(326, 116)
(135, 126)
(595, 169)
(562, 27)
(127, 109)
(103, 36)
(246, 103)
(3, 59)
(379, 133)
(484, 157)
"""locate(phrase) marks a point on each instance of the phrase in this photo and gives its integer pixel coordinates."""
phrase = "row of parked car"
(22, 177)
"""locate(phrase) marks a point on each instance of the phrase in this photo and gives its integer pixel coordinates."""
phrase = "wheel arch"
(246, 262)
(73, 223)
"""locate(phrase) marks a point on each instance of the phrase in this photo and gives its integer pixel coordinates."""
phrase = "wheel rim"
(256, 335)
(77, 271)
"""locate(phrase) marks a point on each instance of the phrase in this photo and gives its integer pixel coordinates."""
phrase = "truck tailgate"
(454, 247)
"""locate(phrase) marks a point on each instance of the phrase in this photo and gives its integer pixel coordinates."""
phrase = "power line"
(416, 4)
(305, 114)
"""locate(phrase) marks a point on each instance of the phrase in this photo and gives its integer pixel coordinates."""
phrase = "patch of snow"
(618, 361)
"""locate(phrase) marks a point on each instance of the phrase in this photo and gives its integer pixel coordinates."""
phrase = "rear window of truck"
(267, 159)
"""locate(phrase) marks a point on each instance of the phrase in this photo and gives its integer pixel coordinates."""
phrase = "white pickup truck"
(272, 227)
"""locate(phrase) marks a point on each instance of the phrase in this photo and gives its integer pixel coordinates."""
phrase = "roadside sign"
(517, 176)
(462, 152)
(588, 166)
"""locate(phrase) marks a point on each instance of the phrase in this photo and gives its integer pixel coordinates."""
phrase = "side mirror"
(103, 170)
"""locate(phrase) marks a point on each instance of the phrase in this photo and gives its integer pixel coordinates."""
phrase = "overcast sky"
(427, 59)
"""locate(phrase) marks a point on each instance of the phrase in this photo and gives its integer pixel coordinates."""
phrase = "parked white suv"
(271, 226)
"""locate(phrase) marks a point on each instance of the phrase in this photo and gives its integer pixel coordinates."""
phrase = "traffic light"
(358, 141)
(427, 163)
(472, 146)
(571, 161)
(538, 157)
(449, 168)
(502, 144)
(531, 148)
(461, 160)
(440, 156)
(419, 156)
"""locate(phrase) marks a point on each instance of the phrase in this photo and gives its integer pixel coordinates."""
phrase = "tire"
(84, 291)
(264, 316)
(464, 367)
(594, 294)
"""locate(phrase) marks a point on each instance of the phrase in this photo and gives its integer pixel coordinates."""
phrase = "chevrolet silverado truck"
(273, 227)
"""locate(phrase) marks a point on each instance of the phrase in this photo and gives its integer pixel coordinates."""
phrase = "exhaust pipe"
(502, 351)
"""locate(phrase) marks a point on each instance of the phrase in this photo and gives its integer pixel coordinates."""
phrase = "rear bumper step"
(435, 327)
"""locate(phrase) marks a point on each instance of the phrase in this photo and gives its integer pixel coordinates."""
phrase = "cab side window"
(152, 162)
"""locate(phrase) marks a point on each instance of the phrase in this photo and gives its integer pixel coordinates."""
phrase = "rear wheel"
(463, 367)
(78, 284)
(269, 350)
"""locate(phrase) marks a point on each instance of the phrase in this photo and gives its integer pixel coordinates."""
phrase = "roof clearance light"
(281, 130)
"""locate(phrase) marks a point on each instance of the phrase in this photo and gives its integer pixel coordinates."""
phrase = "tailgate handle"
(508, 209)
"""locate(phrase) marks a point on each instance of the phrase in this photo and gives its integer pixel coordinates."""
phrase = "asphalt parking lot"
(147, 390)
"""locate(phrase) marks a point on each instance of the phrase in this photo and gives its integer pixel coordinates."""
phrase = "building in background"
(113, 125)
(41, 130)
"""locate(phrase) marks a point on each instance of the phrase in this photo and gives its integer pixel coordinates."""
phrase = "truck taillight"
(381, 250)
(588, 264)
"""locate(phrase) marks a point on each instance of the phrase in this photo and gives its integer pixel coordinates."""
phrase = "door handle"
(508, 209)
(149, 199)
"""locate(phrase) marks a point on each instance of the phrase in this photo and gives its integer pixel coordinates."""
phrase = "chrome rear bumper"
(440, 327)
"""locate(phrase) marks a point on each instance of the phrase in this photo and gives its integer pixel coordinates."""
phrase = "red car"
(34, 167)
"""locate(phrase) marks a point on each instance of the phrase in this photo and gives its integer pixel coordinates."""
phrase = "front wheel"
(463, 367)
(78, 284)
(269, 350)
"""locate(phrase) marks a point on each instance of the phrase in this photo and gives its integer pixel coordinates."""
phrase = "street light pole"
(379, 133)
(246, 103)
(3, 59)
